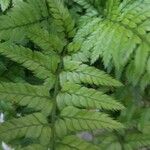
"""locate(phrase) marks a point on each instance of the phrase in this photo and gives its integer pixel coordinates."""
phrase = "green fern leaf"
(86, 74)
(61, 17)
(82, 35)
(76, 95)
(29, 126)
(59, 117)
(13, 25)
(75, 119)
(36, 97)
(121, 38)
(31, 60)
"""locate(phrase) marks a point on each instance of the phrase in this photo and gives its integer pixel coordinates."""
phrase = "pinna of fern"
(120, 37)
(65, 103)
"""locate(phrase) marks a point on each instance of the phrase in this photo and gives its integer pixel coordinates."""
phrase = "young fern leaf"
(121, 38)
(55, 117)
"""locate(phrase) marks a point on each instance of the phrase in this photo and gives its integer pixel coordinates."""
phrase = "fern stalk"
(57, 87)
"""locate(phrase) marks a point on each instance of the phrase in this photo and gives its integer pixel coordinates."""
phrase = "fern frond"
(12, 25)
(43, 66)
(121, 38)
(76, 95)
(36, 97)
(62, 17)
(59, 116)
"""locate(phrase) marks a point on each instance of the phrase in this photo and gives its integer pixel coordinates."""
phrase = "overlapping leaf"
(121, 39)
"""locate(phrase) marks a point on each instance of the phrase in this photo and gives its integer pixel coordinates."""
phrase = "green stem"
(54, 110)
